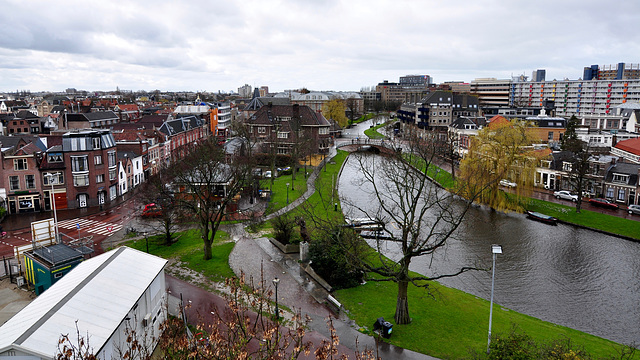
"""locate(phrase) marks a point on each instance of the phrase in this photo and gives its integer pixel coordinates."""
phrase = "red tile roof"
(631, 145)
(496, 121)
(128, 107)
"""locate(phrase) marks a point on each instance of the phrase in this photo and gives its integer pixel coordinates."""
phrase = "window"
(112, 158)
(53, 178)
(609, 193)
(20, 164)
(566, 166)
(15, 182)
(323, 131)
(55, 158)
(79, 163)
(619, 178)
(99, 178)
(30, 181)
(621, 194)
(96, 143)
(112, 174)
(97, 160)
(545, 164)
(262, 130)
(283, 135)
(550, 136)
(81, 180)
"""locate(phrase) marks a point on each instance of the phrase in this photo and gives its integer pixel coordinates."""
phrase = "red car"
(151, 210)
(603, 203)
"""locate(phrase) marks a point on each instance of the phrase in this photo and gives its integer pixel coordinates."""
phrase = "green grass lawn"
(189, 249)
(322, 204)
(364, 118)
(297, 187)
(373, 133)
(452, 323)
(591, 219)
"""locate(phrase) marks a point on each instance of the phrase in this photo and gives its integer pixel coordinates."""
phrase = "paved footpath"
(257, 258)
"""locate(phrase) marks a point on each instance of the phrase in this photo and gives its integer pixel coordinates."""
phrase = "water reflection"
(562, 274)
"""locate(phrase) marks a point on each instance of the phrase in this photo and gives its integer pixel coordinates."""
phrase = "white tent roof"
(98, 293)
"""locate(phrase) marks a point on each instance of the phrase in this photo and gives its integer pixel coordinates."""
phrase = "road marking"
(92, 226)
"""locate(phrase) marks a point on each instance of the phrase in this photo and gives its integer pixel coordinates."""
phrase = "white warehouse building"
(106, 295)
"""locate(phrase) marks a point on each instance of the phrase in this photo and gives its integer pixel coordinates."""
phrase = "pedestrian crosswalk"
(91, 226)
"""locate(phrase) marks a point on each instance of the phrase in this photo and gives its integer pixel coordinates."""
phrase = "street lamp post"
(275, 283)
(495, 249)
(287, 193)
(53, 202)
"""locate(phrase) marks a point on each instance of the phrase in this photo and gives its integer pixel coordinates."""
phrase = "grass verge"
(188, 249)
(450, 324)
(279, 191)
(591, 219)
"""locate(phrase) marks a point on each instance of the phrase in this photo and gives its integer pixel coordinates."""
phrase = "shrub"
(283, 227)
(331, 260)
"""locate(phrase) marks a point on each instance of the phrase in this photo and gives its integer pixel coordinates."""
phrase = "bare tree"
(208, 180)
(167, 218)
(424, 216)
(244, 329)
(581, 153)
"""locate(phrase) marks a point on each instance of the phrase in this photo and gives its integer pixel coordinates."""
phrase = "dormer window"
(620, 178)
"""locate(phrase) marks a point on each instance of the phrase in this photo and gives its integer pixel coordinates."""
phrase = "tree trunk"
(402, 304)
(207, 245)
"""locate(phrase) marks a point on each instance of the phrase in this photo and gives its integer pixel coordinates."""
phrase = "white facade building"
(102, 297)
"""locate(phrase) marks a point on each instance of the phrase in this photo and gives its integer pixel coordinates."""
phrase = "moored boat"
(542, 217)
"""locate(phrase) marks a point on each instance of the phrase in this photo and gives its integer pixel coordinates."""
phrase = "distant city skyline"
(322, 45)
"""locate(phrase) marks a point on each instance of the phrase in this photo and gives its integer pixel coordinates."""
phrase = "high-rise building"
(620, 71)
(245, 91)
(538, 75)
(491, 91)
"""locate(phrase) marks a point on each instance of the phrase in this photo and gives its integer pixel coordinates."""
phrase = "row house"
(608, 176)
(27, 123)
(21, 178)
(135, 145)
(91, 120)
(282, 127)
(462, 130)
(621, 183)
(127, 112)
(131, 164)
(183, 132)
(92, 168)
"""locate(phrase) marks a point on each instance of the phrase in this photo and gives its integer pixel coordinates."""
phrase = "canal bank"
(564, 274)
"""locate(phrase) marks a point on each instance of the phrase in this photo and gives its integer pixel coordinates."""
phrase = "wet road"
(72, 223)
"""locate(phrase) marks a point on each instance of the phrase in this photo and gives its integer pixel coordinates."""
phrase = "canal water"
(562, 274)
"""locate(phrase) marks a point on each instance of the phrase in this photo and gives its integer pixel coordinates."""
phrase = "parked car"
(566, 195)
(507, 183)
(151, 210)
(634, 209)
(603, 203)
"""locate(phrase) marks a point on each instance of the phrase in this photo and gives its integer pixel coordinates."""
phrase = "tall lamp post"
(495, 249)
(53, 202)
(287, 193)
(275, 283)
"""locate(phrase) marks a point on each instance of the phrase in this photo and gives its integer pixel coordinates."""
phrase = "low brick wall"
(287, 249)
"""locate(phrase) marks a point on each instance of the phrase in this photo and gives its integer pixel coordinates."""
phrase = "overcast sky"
(211, 45)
